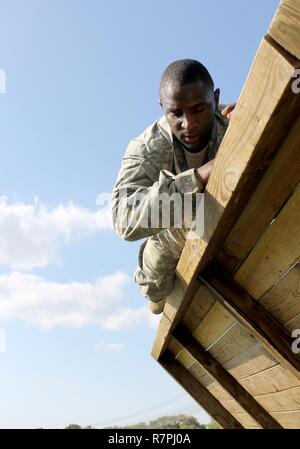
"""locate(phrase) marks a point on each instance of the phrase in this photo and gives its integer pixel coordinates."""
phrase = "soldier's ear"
(160, 102)
(217, 97)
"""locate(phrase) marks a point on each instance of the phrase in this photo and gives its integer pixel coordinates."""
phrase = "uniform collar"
(179, 160)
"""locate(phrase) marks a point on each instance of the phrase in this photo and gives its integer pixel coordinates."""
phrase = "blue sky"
(81, 80)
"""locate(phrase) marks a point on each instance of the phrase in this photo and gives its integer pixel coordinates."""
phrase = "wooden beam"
(276, 252)
(273, 380)
(265, 111)
(204, 398)
(249, 312)
(266, 108)
(285, 27)
(272, 192)
(283, 299)
(225, 379)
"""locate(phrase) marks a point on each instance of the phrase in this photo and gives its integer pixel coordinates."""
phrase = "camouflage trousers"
(158, 258)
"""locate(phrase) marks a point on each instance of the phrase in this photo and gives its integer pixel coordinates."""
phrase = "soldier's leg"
(158, 258)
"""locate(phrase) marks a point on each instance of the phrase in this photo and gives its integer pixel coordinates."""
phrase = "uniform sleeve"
(141, 197)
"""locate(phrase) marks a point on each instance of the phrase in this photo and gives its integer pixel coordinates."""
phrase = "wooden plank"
(246, 420)
(265, 109)
(249, 362)
(285, 28)
(253, 366)
(172, 306)
(293, 324)
(289, 420)
(281, 401)
(238, 355)
(274, 379)
(184, 357)
(275, 187)
(234, 407)
(264, 326)
(275, 253)
(287, 400)
(215, 323)
(235, 341)
(256, 370)
(243, 362)
(221, 394)
(230, 349)
(206, 400)
(286, 290)
(215, 369)
(181, 354)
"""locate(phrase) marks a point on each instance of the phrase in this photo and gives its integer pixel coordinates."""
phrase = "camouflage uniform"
(155, 163)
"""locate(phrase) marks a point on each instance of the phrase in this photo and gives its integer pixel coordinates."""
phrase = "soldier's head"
(189, 101)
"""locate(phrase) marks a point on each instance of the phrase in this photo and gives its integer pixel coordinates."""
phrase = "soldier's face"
(189, 111)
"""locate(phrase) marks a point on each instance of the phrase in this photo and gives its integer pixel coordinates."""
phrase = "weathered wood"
(213, 326)
(281, 400)
(234, 407)
(205, 399)
(181, 354)
(293, 324)
(285, 27)
(260, 323)
(251, 362)
(198, 309)
(215, 369)
(171, 308)
(246, 420)
(271, 380)
(283, 300)
(289, 420)
(246, 363)
(265, 110)
(275, 187)
(252, 226)
(275, 253)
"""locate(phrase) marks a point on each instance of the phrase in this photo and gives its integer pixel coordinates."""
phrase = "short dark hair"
(186, 71)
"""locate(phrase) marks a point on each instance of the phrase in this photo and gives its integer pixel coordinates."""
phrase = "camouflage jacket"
(155, 163)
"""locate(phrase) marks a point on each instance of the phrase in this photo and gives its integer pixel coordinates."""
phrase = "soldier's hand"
(227, 112)
(204, 172)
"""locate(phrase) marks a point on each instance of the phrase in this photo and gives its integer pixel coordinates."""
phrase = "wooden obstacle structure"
(228, 333)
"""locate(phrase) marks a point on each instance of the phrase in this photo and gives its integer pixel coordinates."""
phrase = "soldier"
(173, 156)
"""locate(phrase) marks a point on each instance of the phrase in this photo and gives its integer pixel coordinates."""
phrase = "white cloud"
(2, 342)
(127, 318)
(31, 235)
(111, 347)
(47, 304)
